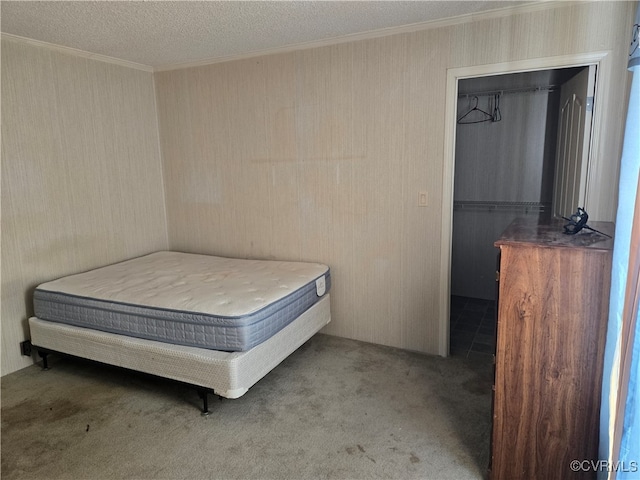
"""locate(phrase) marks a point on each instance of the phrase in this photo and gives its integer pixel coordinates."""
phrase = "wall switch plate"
(423, 198)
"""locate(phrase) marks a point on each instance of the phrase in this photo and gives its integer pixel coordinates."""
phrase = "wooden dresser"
(552, 317)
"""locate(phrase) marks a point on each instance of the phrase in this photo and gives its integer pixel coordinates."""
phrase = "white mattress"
(229, 374)
(187, 299)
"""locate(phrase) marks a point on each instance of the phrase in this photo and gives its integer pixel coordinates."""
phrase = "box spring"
(228, 374)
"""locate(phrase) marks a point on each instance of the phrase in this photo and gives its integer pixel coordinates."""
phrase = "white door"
(574, 137)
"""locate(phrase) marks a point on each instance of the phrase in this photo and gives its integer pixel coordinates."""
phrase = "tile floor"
(473, 327)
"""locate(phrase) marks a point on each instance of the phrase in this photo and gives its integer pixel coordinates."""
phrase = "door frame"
(599, 59)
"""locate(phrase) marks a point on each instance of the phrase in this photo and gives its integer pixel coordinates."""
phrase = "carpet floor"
(335, 409)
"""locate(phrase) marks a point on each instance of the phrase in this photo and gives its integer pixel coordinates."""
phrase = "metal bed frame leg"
(204, 395)
(203, 392)
(45, 362)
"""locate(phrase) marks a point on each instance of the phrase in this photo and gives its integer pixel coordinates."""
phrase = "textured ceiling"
(166, 33)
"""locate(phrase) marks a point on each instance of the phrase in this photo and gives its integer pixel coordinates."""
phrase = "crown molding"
(76, 52)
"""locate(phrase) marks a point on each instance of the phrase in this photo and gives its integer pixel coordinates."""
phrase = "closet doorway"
(520, 144)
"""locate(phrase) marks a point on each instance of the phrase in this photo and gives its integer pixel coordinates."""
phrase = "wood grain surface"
(552, 318)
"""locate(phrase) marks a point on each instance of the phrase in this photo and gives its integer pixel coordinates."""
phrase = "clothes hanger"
(486, 117)
(497, 114)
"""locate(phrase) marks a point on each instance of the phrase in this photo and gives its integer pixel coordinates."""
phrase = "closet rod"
(507, 91)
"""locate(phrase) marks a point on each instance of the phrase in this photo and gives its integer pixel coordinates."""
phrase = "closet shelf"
(526, 207)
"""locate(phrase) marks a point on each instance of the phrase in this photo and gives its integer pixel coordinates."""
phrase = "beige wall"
(319, 155)
(81, 174)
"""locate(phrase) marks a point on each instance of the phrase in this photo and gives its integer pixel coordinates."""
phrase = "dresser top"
(549, 233)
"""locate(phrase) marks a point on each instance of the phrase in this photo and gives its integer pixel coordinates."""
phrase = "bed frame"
(227, 374)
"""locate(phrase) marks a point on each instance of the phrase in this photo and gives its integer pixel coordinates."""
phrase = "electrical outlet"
(25, 348)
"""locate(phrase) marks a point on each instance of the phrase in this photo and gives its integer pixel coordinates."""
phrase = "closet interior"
(506, 132)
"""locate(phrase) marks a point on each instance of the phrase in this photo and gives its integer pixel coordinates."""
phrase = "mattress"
(186, 299)
(228, 374)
